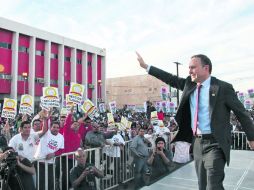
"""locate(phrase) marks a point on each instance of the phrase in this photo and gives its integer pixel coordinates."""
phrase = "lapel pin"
(213, 94)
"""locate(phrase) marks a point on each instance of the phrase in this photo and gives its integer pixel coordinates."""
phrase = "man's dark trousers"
(209, 163)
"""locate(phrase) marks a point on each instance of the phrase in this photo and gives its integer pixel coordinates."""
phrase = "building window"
(89, 63)
(39, 80)
(5, 45)
(23, 49)
(6, 77)
(53, 56)
(67, 59)
(67, 83)
(79, 61)
(54, 82)
(39, 52)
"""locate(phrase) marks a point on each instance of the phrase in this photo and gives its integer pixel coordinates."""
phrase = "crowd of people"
(40, 138)
(44, 137)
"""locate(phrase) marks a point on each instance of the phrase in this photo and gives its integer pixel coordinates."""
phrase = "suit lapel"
(213, 93)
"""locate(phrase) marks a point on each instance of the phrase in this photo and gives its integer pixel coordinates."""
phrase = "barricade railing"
(239, 141)
(116, 170)
(56, 176)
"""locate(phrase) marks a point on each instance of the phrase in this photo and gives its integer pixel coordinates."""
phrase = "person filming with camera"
(16, 171)
(160, 159)
(83, 175)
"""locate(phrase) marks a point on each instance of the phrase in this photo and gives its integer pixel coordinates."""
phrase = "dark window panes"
(67, 59)
(5, 45)
(23, 49)
(40, 53)
(53, 56)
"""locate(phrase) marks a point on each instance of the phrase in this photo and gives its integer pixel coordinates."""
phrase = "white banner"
(76, 93)
(9, 108)
(112, 107)
(26, 104)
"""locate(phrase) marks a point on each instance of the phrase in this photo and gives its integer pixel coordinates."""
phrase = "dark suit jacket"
(222, 100)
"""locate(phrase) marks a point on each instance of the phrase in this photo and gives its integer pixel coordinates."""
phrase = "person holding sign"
(73, 132)
(25, 142)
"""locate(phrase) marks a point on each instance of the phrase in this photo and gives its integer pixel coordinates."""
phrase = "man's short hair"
(24, 123)
(204, 61)
(141, 128)
(54, 122)
(36, 120)
(8, 148)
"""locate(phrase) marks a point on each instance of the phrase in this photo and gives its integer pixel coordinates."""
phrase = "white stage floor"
(239, 175)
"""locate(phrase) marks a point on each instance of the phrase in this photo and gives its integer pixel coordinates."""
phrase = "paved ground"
(131, 186)
(239, 175)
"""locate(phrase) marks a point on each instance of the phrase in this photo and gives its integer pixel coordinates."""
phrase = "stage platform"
(239, 175)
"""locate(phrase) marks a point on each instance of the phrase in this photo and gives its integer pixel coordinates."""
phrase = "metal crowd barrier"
(239, 141)
(115, 170)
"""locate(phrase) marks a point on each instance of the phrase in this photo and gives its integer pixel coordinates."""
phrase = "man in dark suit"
(204, 117)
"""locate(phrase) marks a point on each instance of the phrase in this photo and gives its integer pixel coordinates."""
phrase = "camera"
(90, 169)
(9, 163)
(11, 158)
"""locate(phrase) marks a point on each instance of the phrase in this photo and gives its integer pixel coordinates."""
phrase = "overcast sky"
(162, 31)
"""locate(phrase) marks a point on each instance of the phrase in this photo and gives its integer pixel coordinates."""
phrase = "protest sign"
(9, 108)
(251, 93)
(76, 93)
(164, 93)
(26, 104)
(124, 121)
(154, 115)
(241, 97)
(248, 104)
(102, 108)
(145, 106)
(120, 126)
(50, 98)
(67, 103)
(89, 108)
(129, 124)
(112, 107)
(170, 107)
(131, 107)
(164, 106)
(87, 105)
(110, 119)
(158, 106)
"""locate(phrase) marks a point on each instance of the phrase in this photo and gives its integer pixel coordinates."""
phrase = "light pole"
(177, 74)
(24, 75)
(99, 91)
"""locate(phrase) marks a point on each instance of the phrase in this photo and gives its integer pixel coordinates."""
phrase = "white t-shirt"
(49, 143)
(37, 141)
(25, 148)
(114, 151)
(182, 150)
(161, 131)
(151, 139)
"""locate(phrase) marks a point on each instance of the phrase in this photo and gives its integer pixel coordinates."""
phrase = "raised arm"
(141, 61)
(44, 115)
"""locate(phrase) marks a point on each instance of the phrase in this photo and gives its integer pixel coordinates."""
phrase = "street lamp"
(177, 74)
(24, 75)
(99, 89)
